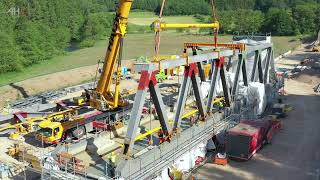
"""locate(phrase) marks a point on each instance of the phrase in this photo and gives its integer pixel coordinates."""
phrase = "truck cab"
(49, 132)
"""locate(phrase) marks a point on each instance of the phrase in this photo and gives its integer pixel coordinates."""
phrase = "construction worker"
(110, 166)
(192, 120)
(161, 136)
(219, 106)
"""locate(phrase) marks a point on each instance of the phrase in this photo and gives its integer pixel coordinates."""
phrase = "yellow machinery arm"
(102, 98)
(158, 25)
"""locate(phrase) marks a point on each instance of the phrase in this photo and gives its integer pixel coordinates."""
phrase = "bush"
(10, 57)
(200, 18)
(87, 43)
(132, 28)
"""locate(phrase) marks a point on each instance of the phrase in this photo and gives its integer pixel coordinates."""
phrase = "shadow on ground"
(22, 91)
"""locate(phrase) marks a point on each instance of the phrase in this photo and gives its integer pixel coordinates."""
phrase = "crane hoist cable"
(157, 35)
(215, 19)
(158, 25)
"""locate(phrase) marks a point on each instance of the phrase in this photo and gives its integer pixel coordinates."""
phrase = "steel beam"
(198, 94)
(160, 107)
(260, 71)
(200, 66)
(241, 68)
(255, 65)
(229, 65)
(189, 76)
(147, 79)
(261, 47)
(219, 72)
(215, 75)
(182, 99)
(226, 90)
(244, 72)
(267, 65)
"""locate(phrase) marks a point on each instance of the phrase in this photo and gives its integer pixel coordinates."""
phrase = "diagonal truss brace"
(267, 65)
(263, 70)
(219, 72)
(241, 67)
(147, 80)
(200, 66)
(189, 77)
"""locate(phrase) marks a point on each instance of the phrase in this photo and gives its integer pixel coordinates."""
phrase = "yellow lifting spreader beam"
(158, 26)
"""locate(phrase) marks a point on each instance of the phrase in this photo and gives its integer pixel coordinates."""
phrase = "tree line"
(279, 17)
(300, 18)
(32, 31)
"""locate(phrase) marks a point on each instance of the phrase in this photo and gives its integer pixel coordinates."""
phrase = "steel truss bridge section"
(222, 61)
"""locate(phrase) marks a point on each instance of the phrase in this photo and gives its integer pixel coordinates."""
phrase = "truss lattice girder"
(265, 72)
(192, 78)
(260, 68)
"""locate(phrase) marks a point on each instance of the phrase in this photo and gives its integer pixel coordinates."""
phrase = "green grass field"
(135, 45)
(146, 18)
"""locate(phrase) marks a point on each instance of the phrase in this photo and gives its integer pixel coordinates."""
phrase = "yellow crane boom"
(103, 98)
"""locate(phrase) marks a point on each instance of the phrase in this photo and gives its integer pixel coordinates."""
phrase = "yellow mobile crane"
(102, 98)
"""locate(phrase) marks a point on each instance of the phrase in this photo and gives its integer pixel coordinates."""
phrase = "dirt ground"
(49, 82)
(45, 83)
(294, 153)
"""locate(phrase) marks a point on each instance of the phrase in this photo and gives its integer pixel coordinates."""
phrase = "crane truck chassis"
(87, 119)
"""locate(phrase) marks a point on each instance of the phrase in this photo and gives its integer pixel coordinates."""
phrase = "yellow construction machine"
(102, 98)
(23, 125)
